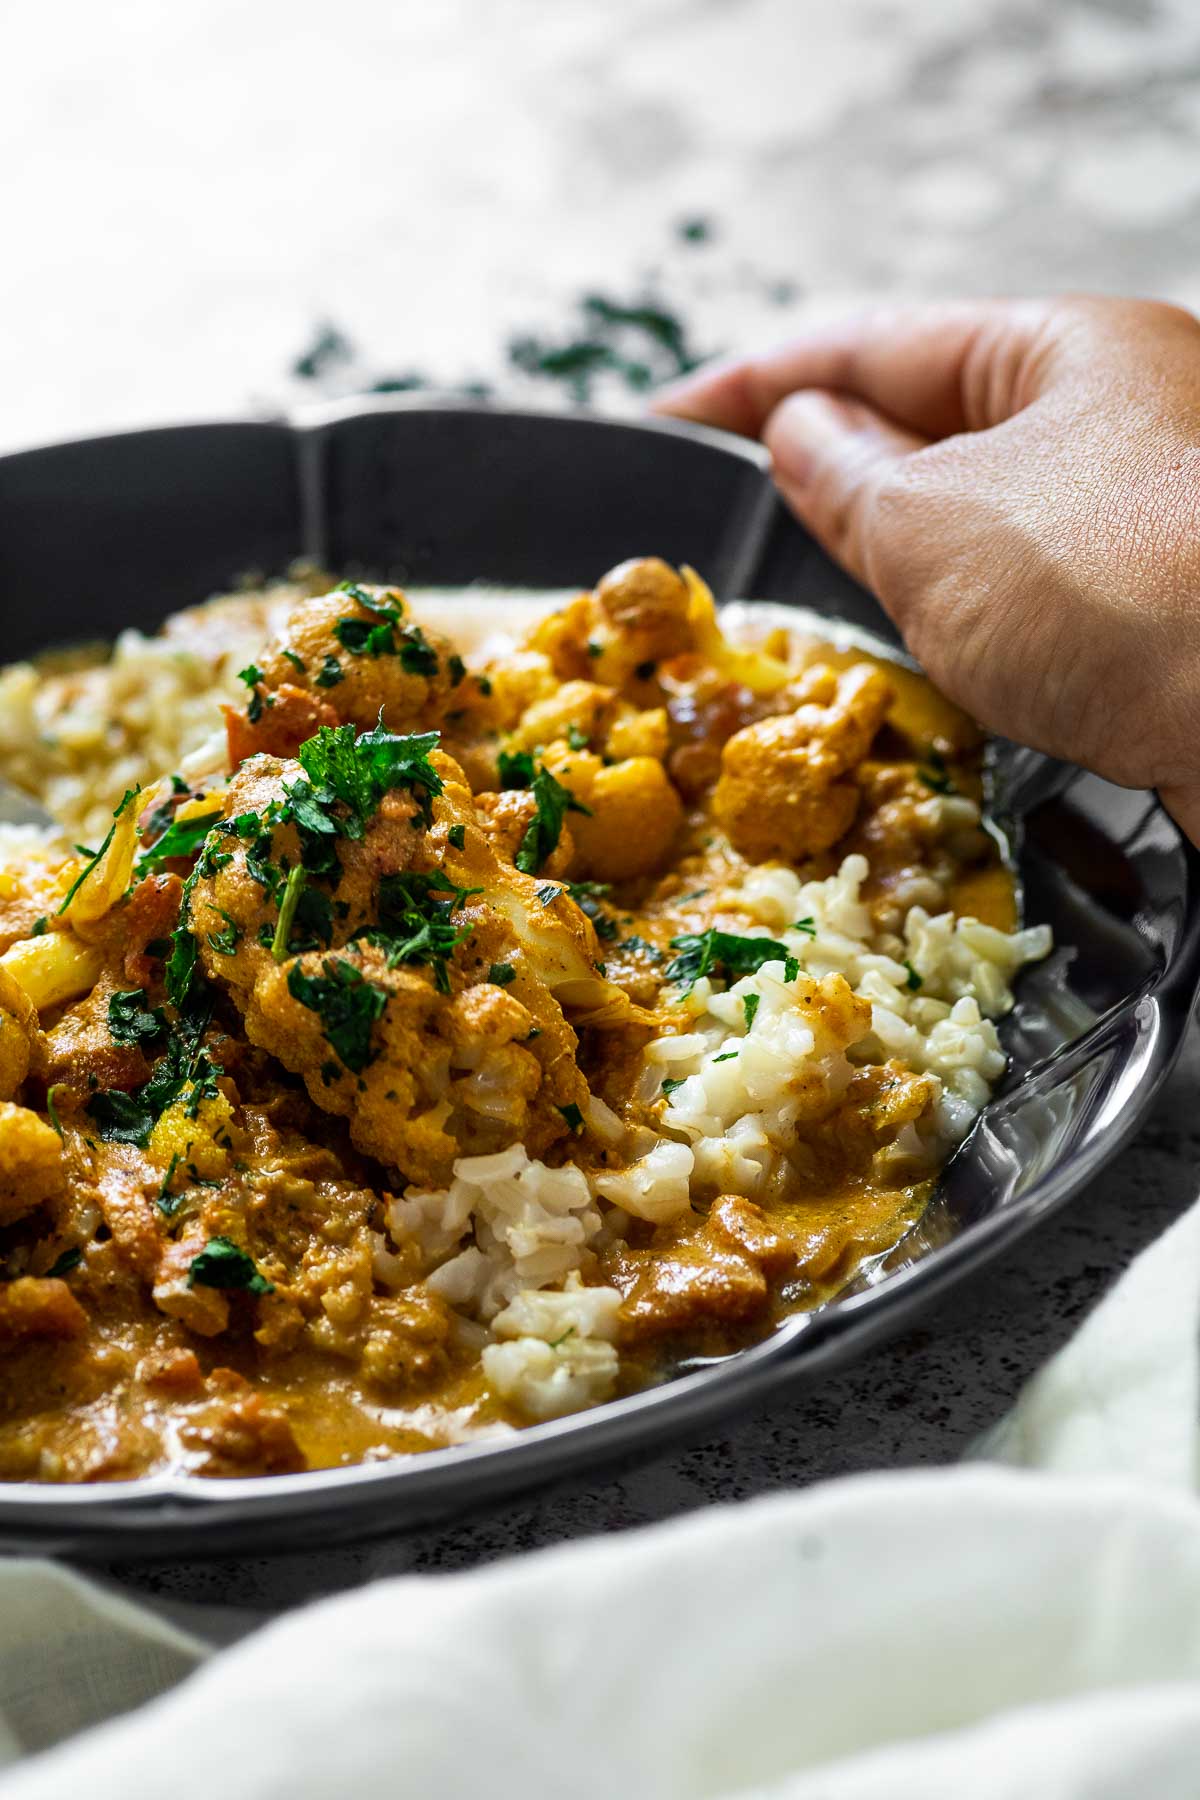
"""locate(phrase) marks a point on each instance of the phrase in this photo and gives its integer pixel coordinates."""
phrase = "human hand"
(1019, 484)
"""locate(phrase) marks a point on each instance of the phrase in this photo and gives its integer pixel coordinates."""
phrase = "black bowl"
(122, 530)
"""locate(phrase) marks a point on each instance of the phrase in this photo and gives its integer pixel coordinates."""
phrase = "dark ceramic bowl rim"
(159, 1514)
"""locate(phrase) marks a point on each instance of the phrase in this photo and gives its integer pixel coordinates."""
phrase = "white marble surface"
(189, 189)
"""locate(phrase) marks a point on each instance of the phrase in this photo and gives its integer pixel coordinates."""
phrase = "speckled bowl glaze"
(121, 530)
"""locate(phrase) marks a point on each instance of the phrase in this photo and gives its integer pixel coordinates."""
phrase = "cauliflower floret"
(358, 650)
(581, 706)
(31, 1162)
(421, 994)
(632, 818)
(422, 1077)
(787, 785)
(18, 1034)
(637, 617)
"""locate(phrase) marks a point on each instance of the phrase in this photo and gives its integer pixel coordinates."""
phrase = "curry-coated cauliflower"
(417, 983)
(18, 1034)
(358, 650)
(31, 1162)
(787, 786)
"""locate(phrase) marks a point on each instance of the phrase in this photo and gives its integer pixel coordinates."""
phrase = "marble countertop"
(194, 192)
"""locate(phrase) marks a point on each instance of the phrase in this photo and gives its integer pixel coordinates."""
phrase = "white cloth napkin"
(985, 1631)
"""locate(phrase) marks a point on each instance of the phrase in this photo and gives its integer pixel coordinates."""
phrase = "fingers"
(830, 458)
(936, 369)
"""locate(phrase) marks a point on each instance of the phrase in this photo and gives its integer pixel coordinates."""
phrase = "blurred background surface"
(213, 209)
(192, 192)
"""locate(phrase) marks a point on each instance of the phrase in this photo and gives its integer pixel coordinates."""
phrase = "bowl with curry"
(481, 1001)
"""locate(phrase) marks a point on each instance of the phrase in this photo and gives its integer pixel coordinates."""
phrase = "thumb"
(830, 456)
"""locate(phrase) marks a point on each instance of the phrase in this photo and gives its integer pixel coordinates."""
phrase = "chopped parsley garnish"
(62, 1265)
(558, 1342)
(164, 1199)
(641, 946)
(517, 769)
(750, 1004)
(52, 1108)
(722, 952)
(671, 1082)
(347, 1005)
(576, 739)
(807, 926)
(94, 856)
(572, 1115)
(293, 888)
(586, 895)
(912, 980)
(502, 974)
(225, 942)
(554, 802)
(362, 638)
(417, 654)
(187, 1069)
(252, 675)
(726, 1056)
(297, 662)
(329, 673)
(457, 836)
(180, 841)
(40, 926)
(418, 927)
(594, 649)
(179, 971)
(132, 1021)
(548, 892)
(222, 1265)
(934, 774)
(358, 772)
(457, 668)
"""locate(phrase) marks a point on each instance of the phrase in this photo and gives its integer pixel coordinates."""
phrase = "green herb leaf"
(293, 888)
(417, 927)
(576, 739)
(62, 1265)
(52, 1106)
(540, 841)
(721, 952)
(252, 675)
(347, 1005)
(329, 674)
(360, 771)
(586, 895)
(222, 1265)
(807, 926)
(501, 974)
(517, 769)
(671, 1082)
(750, 1004)
(457, 836)
(179, 842)
(912, 981)
(572, 1115)
(225, 942)
(132, 1021)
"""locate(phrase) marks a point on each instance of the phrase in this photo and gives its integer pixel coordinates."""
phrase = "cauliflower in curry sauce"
(458, 1039)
